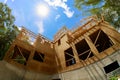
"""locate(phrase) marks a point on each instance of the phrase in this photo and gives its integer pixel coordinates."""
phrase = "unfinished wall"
(32, 52)
(79, 54)
(86, 51)
(60, 50)
(94, 71)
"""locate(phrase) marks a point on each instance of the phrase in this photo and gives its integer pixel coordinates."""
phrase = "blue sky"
(61, 13)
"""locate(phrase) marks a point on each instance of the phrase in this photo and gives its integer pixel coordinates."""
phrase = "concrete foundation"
(10, 72)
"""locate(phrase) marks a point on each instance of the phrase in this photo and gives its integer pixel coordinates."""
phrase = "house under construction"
(89, 52)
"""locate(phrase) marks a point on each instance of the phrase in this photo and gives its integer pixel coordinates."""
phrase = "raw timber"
(87, 52)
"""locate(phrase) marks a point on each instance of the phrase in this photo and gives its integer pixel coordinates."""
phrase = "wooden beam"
(75, 53)
(69, 59)
(21, 53)
(84, 52)
(97, 37)
(90, 52)
(41, 57)
(114, 38)
(89, 55)
(87, 51)
(69, 54)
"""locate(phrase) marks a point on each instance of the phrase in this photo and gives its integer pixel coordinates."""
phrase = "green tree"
(113, 78)
(8, 30)
(109, 8)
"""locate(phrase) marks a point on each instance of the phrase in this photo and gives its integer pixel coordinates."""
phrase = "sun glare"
(42, 10)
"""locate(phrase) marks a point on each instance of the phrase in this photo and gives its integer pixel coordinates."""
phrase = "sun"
(42, 10)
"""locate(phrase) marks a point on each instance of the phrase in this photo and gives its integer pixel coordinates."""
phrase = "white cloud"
(69, 13)
(40, 26)
(61, 4)
(5, 1)
(64, 0)
(57, 16)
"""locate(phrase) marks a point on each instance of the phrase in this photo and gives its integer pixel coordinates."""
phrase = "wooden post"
(75, 53)
(91, 45)
(30, 57)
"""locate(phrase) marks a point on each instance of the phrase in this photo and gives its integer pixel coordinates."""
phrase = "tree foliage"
(109, 8)
(8, 30)
(113, 78)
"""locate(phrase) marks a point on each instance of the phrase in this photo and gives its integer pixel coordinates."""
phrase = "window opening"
(83, 50)
(20, 55)
(39, 56)
(111, 67)
(102, 40)
(69, 57)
